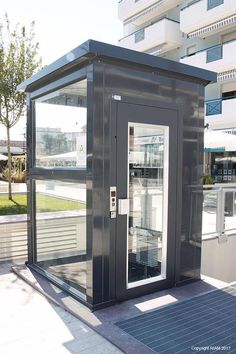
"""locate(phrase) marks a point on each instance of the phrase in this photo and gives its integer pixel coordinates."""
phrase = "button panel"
(112, 200)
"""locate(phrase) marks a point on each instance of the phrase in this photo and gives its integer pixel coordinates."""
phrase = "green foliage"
(18, 173)
(207, 179)
(55, 144)
(45, 203)
(18, 61)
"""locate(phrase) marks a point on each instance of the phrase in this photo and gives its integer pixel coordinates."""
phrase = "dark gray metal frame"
(141, 79)
(65, 174)
(174, 205)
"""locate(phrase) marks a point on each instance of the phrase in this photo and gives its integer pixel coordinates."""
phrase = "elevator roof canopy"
(93, 50)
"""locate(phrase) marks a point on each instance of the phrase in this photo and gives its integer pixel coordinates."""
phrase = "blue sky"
(62, 25)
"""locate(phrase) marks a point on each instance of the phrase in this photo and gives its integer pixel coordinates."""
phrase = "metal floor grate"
(206, 323)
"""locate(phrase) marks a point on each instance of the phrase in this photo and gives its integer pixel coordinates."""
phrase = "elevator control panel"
(113, 203)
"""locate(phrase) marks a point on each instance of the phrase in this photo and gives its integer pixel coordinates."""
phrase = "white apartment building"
(200, 33)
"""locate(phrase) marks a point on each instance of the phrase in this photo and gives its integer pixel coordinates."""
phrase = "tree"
(19, 59)
(55, 144)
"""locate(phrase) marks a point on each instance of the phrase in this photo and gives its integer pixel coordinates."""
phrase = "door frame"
(125, 293)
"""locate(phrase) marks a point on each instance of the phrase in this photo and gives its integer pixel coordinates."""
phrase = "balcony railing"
(202, 18)
(213, 3)
(220, 58)
(219, 112)
(139, 36)
(146, 39)
(213, 107)
(215, 53)
(219, 211)
(139, 12)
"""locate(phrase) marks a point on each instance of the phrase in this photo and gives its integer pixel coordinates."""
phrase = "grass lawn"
(45, 203)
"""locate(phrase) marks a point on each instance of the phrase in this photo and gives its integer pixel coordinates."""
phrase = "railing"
(210, 4)
(214, 3)
(214, 107)
(190, 4)
(211, 50)
(58, 237)
(149, 25)
(219, 211)
(139, 36)
(215, 53)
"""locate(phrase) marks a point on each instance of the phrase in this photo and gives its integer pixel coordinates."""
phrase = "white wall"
(196, 16)
(225, 120)
(218, 259)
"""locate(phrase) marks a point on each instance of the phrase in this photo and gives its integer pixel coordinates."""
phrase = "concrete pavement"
(29, 323)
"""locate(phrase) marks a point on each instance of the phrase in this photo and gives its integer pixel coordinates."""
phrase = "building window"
(139, 36)
(213, 3)
(213, 107)
(214, 54)
(228, 95)
(61, 126)
(191, 50)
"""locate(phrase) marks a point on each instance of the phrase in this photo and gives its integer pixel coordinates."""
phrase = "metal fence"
(214, 107)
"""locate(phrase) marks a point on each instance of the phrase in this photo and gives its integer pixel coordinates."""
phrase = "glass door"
(146, 191)
(148, 161)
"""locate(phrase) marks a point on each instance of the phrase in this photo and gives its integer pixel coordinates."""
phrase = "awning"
(226, 75)
(3, 157)
(216, 26)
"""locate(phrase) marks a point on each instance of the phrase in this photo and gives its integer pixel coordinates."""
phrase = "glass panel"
(148, 183)
(211, 4)
(230, 211)
(61, 125)
(209, 212)
(215, 53)
(139, 36)
(61, 230)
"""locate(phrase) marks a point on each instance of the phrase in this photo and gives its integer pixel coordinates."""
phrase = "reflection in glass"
(61, 230)
(61, 125)
(147, 161)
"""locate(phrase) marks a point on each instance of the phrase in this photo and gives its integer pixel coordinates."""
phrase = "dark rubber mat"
(205, 323)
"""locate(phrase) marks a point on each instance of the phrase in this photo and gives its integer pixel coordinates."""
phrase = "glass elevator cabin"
(115, 154)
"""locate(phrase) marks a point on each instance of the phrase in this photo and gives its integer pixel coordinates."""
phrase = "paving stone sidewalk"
(29, 323)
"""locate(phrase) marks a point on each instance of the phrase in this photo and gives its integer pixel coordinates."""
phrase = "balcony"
(219, 113)
(163, 35)
(204, 17)
(141, 11)
(220, 58)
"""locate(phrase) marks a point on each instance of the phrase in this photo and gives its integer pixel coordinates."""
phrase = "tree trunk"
(9, 163)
